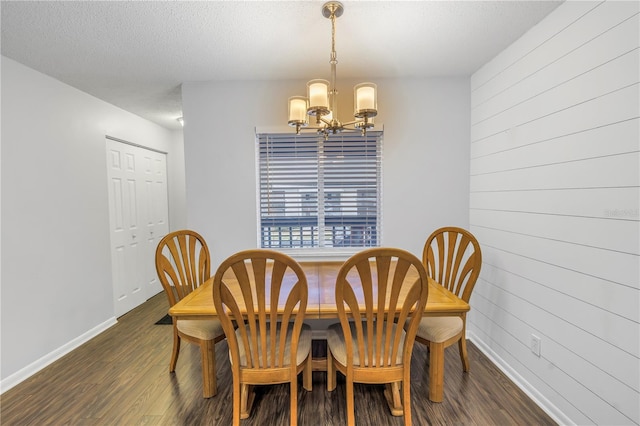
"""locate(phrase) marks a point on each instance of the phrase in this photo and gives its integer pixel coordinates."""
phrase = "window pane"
(319, 193)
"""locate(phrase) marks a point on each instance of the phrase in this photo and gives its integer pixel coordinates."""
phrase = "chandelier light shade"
(322, 96)
(318, 92)
(365, 100)
(298, 106)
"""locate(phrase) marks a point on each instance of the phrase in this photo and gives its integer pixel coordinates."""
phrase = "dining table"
(321, 305)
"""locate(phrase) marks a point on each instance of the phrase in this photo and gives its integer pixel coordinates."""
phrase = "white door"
(138, 220)
(155, 213)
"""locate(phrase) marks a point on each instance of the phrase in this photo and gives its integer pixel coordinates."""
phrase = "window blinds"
(319, 193)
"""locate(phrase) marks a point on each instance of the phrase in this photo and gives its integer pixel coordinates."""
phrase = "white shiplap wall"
(554, 202)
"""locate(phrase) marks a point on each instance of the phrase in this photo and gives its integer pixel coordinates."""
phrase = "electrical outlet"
(535, 345)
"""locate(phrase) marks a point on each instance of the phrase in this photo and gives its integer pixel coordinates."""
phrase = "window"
(316, 193)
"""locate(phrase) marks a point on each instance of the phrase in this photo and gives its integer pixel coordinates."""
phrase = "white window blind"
(316, 193)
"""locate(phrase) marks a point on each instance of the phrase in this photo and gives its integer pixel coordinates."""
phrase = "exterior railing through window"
(303, 232)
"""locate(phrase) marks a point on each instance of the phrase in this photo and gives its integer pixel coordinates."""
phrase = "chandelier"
(321, 101)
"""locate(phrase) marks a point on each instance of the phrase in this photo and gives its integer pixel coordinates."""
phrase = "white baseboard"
(546, 405)
(28, 371)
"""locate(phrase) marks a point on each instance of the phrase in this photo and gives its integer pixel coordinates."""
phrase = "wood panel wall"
(554, 202)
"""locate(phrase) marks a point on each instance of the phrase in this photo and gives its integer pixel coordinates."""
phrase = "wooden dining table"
(321, 305)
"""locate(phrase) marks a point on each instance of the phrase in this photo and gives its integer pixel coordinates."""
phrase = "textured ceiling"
(136, 54)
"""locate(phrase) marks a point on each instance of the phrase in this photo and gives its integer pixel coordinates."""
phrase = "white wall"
(176, 184)
(555, 205)
(56, 271)
(425, 166)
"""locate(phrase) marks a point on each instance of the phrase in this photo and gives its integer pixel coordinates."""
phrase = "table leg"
(392, 396)
(247, 396)
(319, 354)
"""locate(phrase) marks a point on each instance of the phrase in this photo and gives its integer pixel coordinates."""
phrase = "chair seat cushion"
(337, 344)
(201, 329)
(439, 329)
(304, 346)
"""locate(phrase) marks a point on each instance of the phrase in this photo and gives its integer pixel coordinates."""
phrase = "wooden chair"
(261, 298)
(452, 257)
(377, 291)
(183, 263)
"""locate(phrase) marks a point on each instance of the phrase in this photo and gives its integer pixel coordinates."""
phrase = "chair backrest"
(377, 291)
(182, 263)
(452, 257)
(264, 294)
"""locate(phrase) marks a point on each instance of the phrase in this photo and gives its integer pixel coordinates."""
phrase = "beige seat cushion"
(338, 347)
(439, 329)
(201, 329)
(304, 345)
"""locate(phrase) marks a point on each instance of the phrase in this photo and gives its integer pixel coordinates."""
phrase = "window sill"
(321, 255)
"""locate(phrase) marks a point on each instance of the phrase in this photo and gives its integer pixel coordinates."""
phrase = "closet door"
(155, 212)
(138, 217)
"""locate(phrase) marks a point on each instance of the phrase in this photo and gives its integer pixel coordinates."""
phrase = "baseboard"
(41, 363)
(546, 405)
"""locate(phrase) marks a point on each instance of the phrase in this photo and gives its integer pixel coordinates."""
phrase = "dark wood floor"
(121, 377)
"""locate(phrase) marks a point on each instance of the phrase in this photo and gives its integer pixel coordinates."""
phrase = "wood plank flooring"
(122, 377)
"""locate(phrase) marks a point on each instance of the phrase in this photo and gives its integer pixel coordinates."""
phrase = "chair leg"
(307, 375)
(406, 398)
(331, 372)
(462, 346)
(351, 417)
(237, 396)
(208, 356)
(436, 371)
(293, 398)
(176, 350)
